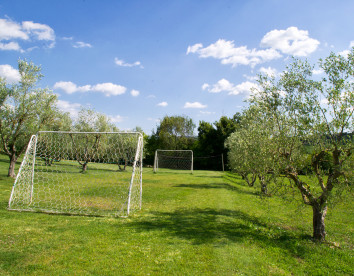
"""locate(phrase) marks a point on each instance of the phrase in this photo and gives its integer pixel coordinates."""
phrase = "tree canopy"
(24, 110)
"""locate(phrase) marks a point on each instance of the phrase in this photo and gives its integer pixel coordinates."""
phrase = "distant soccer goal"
(173, 159)
(83, 173)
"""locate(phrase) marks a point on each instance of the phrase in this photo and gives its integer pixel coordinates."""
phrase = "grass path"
(207, 223)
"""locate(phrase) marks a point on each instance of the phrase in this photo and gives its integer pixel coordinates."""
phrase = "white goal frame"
(62, 174)
(156, 159)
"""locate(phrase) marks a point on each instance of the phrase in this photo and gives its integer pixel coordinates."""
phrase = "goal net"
(84, 173)
(173, 159)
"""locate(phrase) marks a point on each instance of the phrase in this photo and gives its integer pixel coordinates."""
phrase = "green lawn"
(208, 223)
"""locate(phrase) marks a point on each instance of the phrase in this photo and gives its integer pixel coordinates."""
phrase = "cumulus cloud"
(220, 86)
(120, 62)
(194, 105)
(10, 31)
(39, 31)
(135, 93)
(72, 108)
(244, 88)
(108, 89)
(291, 41)
(268, 71)
(227, 53)
(10, 46)
(80, 44)
(163, 104)
(10, 74)
(70, 87)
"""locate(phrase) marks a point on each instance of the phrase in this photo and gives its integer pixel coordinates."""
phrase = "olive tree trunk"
(319, 214)
(13, 159)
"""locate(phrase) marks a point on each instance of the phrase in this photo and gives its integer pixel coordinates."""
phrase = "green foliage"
(306, 120)
(211, 140)
(174, 132)
(25, 109)
(91, 121)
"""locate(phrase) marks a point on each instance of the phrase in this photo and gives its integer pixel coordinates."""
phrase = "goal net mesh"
(173, 159)
(80, 173)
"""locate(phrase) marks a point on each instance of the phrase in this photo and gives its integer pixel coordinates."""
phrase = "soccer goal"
(83, 173)
(173, 159)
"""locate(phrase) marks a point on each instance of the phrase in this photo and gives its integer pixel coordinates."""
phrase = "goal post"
(79, 173)
(173, 159)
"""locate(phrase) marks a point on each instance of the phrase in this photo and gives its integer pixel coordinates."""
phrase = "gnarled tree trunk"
(263, 182)
(13, 159)
(319, 214)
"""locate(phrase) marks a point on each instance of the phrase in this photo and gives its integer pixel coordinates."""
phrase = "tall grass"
(208, 223)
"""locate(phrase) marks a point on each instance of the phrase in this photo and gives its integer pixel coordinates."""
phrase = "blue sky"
(137, 61)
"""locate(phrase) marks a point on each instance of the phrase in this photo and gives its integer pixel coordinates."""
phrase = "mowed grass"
(208, 223)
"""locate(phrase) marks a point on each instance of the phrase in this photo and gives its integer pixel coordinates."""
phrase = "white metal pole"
(137, 155)
(141, 171)
(222, 161)
(33, 163)
(155, 162)
(192, 161)
(24, 161)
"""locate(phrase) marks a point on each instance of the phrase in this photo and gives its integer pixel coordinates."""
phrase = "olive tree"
(251, 151)
(24, 110)
(312, 126)
(86, 146)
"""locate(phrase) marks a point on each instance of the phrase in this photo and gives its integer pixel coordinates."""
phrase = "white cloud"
(163, 104)
(351, 44)
(221, 85)
(39, 31)
(120, 62)
(70, 87)
(291, 41)
(11, 46)
(116, 118)
(10, 31)
(108, 89)
(194, 48)
(72, 108)
(9, 73)
(194, 105)
(81, 44)
(135, 93)
(269, 71)
(244, 88)
(151, 96)
(224, 85)
(227, 53)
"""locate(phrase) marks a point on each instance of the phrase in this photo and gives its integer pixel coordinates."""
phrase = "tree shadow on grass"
(215, 186)
(220, 227)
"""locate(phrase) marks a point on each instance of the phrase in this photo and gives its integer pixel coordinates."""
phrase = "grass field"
(208, 223)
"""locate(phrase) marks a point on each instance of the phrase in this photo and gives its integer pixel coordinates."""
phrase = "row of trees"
(26, 109)
(298, 133)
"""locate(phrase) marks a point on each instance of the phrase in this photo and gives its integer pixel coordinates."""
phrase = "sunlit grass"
(205, 223)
